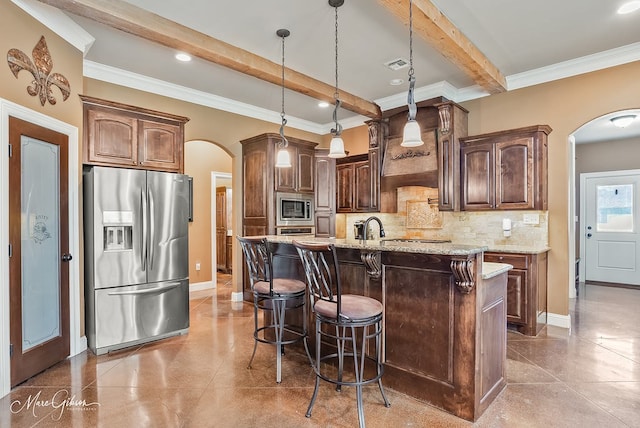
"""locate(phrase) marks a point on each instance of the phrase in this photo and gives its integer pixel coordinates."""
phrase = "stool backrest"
(257, 258)
(320, 264)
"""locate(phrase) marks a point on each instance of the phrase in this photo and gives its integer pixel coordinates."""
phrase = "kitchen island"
(444, 315)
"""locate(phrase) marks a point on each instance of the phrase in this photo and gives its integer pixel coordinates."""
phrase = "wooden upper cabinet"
(505, 170)
(133, 137)
(298, 178)
(344, 188)
(354, 188)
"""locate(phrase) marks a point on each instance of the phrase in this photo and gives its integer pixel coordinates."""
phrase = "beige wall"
(20, 31)
(200, 159)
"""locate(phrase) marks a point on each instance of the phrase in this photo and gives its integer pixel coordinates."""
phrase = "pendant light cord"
(413, 109)
(284, 142)
(336, 95)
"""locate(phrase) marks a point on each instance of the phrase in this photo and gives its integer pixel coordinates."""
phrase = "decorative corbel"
(463, 272)
(371, 260)
(444, 111)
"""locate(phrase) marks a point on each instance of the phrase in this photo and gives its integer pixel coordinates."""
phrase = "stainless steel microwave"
(294, 209)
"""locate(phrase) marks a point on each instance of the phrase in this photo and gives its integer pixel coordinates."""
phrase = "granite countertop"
(444, 248)
(490, 269)
(517, 249)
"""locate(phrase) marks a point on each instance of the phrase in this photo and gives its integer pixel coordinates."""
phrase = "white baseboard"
(557, 320)
(197, 286)
(237, 296)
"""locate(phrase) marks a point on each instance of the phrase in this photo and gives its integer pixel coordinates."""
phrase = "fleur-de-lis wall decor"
(40, 68)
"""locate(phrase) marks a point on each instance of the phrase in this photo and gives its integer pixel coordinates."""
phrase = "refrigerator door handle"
(143, 242)
(159, 289)
(152, 228)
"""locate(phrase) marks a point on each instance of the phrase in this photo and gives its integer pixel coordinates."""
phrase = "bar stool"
(275, 296)
(356, 320)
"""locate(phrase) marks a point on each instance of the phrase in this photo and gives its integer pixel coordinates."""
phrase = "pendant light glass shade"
(411, 137)
(336, 149)
(283, 160)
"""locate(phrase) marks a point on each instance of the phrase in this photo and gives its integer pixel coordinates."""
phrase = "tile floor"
(589, 378)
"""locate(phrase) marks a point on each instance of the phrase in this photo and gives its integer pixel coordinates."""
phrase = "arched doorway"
(601, 149)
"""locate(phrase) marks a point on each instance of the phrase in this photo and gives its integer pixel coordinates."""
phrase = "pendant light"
(336, 149)
(411, 137)
(282, 159)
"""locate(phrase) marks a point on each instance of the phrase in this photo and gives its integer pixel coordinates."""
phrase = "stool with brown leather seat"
(352, 322)
(275, 296)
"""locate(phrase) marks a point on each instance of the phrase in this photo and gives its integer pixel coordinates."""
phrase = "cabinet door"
(255, 191)
(514, 174)
(160, 146)
(325, 196)
(112, 138)
(304, 168)
(344, 188)
(362, 186)
(477, 171)
(517, 296)
(517, 285)
(286, 177)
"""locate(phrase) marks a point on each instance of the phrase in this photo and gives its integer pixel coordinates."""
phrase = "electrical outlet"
(531, 218)
(198, 266)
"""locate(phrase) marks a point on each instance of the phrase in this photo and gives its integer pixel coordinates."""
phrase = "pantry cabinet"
(505, 170)
(121, 135)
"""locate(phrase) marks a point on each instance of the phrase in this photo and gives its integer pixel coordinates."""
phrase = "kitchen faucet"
(365, 227)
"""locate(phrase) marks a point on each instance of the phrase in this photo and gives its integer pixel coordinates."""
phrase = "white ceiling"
(528, 41)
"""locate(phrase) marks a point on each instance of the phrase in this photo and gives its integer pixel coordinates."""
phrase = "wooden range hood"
(431, 165)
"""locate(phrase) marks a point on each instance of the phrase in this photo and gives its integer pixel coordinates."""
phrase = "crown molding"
(128, 79)
(59, 23)
(574, 67)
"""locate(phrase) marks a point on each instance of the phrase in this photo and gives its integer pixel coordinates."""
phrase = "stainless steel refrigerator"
(136, 256)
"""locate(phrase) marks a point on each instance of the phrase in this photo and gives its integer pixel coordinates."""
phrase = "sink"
(417, 240)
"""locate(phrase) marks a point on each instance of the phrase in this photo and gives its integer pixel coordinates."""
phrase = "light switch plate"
(531, 218)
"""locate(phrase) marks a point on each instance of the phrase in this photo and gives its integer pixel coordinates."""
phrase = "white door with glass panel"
(611, 227)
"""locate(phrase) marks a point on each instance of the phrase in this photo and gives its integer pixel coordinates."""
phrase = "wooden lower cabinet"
(526, 290)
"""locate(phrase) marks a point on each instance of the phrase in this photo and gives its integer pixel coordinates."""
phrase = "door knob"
(66, 257)
(588, 235)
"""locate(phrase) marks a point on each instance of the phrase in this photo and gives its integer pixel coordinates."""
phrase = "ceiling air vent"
(397, 64)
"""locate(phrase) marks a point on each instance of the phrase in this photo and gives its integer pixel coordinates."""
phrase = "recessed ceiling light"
(629, 7)
(623, 121)
(323, 104)
(396, 82)
(183, 57)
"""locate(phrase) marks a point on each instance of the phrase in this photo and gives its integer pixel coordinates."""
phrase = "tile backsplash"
(423, 220)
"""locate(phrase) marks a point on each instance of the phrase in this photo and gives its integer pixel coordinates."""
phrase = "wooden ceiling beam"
(139, 22)
(430, 24)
